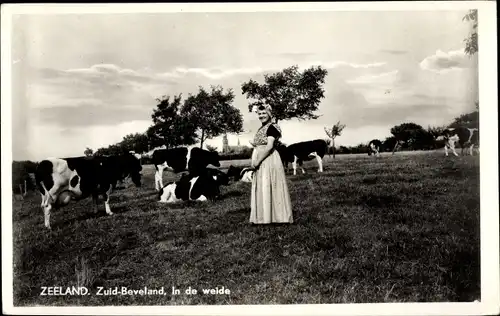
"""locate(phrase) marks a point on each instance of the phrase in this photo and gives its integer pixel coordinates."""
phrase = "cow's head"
(246, 174)
(134, 168)
(213, 158)
(234, 172)
(284, 153)
(221, 178)
(447, 135)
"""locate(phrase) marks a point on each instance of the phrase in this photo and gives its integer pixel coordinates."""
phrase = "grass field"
(402, 228)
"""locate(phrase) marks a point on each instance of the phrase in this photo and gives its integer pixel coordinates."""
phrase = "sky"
(88, 80)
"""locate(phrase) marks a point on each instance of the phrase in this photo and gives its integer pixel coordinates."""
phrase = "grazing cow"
(374, 147)
(240, 174)
(61, 180)
(466, 137)
(304, 151)
(201, 187)
(194, 160)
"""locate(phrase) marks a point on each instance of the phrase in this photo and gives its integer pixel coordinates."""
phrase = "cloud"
(220, 73)
(85, 114)
(445, 61)
(394, 51)
(386, 78)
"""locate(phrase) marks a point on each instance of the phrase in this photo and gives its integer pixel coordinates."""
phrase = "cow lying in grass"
(201, 187)
(194, 160)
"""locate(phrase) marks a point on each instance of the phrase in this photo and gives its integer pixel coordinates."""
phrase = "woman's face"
(263, 116)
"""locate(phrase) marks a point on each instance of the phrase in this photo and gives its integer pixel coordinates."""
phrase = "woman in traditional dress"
(270, 197)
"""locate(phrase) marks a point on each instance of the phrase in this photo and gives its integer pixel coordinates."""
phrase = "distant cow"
(61, 180)
(374, 147)
(466, 137)
(23, 177)
(194, 160)
(201, 187)
(304, 151)
(240, 174)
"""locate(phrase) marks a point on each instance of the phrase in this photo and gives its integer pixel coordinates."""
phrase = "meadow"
(402, 228)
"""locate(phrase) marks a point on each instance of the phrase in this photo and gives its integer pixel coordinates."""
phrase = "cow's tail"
(324, 149)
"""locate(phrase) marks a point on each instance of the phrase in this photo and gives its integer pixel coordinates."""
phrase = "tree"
(332, 133)
(88, 152)
(471, 46)
(111, 150)
(137, 142)
(408, 135)
(170, 127)
(290, 93)
(211, 114)
(211, 148)
(469, 120)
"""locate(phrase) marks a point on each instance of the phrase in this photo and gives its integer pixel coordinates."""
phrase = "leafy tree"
(88, 152)
(470, 120)
(407, 134)
(471, 46)
(211, 148)
(290, 93)
(390, 142)
(170, 127)
(111, 150)
(211, 114)
(333, 132)
(137, 142)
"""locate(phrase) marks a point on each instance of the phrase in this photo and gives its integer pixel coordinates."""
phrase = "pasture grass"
(402, 228)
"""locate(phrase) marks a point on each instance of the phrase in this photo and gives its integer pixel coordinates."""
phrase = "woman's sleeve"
(273, 132)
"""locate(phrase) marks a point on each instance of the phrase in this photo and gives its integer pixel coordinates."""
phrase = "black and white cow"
(195, 160)
(240, 174)
(304, 151)
(466, 137)
(201, 187)
(60, 180)
(374, 147)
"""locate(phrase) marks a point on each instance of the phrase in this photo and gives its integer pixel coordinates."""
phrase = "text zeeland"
(64, 290)
(127, 291)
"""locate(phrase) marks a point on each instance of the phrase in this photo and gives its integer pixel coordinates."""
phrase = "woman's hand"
(256, 165)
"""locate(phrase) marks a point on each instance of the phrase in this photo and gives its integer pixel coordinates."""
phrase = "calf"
(466, 137)
(61, 180)
(195, 160)
(304, 151)
(374, 147)
(201, 187)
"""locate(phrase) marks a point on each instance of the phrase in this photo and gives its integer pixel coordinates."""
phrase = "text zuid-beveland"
(126, 291)
(63, 290)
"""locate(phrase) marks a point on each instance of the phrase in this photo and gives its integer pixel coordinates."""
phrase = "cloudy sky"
(88, 80)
